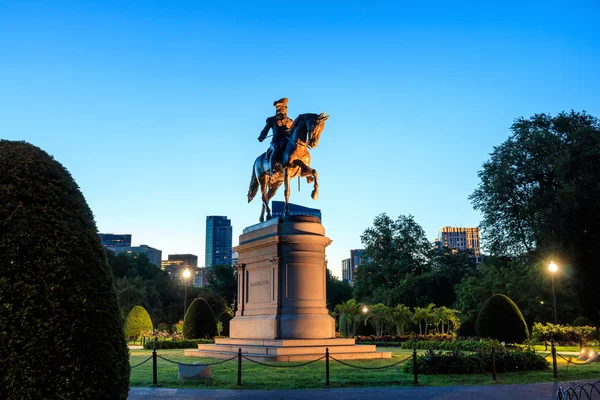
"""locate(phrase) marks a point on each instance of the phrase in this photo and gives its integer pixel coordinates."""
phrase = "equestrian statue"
(287, 157)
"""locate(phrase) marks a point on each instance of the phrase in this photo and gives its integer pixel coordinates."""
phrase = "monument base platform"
(288, 349)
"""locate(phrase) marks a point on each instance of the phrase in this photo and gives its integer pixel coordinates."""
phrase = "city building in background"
(349, 265)
(234, 257)
(176, 264)
(153, 254)
(109, 240)
(218, 241)
(200, 277)
(459, 238)
(346, 271)
(278, 210)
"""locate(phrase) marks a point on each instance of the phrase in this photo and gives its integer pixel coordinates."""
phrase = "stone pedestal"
(281, 281)
(281, 313)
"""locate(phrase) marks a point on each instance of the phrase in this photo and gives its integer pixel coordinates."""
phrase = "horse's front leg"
(312, 175)
(315, 192)
(286, 186)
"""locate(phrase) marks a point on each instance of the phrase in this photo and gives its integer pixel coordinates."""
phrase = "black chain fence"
(587, 391)
(570, 393)
(372, 368)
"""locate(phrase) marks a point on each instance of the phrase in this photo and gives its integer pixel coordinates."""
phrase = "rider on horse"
(281, 125)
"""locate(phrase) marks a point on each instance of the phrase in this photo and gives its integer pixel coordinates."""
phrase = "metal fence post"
(154, 372)
(327, 367)
(415, 368)
(494, 377)
(554, 367)
(239, 367)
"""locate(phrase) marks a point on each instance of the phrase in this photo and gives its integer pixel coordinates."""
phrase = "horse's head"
(314, 127)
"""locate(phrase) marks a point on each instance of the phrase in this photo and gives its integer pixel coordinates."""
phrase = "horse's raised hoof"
(314, 195)
(310, 179)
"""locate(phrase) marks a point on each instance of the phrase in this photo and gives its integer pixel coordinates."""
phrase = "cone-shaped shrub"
(61, 335)
(137, 322)
(225, 319)
(501, 319)
(199, 321)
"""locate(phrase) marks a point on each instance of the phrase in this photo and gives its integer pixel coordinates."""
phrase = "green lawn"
(313, 376)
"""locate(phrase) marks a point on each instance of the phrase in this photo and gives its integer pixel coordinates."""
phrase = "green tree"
(393, 250)
(137, 321)
(350, 315)
(61, 335)
(379, 316)
(401, 318)
(337, 291)
(540, 191)
(222, 280)
(501, 319)
(525, 280)
(423, 316)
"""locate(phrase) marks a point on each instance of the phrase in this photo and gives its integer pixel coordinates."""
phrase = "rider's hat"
(281, 102)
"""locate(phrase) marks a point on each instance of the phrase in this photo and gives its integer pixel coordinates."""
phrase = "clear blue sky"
(155, 106)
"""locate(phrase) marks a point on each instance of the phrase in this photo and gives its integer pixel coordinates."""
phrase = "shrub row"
(563, 334)
(404, 338)
(176, 344)
(458, 363)
(454, 345)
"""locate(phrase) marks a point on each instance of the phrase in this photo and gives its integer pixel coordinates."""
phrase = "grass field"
(313, 376)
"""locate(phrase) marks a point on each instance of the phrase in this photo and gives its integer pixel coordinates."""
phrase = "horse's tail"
(253, 189)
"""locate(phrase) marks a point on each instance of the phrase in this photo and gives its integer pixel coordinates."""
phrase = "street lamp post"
(553, 268)
(186, 275)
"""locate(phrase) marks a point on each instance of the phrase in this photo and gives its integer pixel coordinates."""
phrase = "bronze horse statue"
(295, 161)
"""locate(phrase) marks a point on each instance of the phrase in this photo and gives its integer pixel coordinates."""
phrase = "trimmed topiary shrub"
(137, 321)
(61, 334)
(225, 319)
(582, 321)
(199, 321)
(501, 319)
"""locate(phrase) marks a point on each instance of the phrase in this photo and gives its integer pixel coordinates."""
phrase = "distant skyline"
(155, 107)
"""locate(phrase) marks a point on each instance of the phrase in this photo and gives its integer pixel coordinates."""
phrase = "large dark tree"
(540, 191)
(403, 268)
(61, 336)
(337, 291)
(393, 248)
(222, 280)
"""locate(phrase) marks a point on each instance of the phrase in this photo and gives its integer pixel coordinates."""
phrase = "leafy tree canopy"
(540, 190)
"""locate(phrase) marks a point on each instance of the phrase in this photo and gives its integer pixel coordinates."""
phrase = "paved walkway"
(532, 391)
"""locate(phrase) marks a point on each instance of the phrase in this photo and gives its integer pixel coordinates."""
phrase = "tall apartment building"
(278, 210)
(346, 270)
(460, 238)
(153, 254)
(109, 240)
(349, 265)
(218, 241)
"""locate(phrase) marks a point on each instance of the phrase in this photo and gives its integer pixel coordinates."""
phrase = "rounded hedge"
(137, 321)
(225, 319)
(582, 321)
(501, 319)
(61, 334)
(199, 321)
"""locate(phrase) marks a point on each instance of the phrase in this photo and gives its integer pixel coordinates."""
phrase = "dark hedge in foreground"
(61, 334)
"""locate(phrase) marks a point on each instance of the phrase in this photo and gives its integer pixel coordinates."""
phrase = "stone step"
(289, 357)
(289, 349)
(286, 342)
